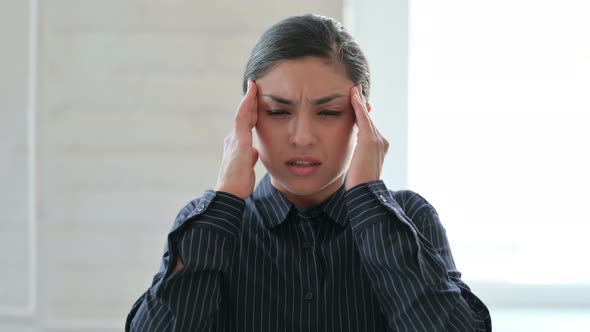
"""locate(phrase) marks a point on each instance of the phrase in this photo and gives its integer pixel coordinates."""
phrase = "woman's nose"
(302, 132)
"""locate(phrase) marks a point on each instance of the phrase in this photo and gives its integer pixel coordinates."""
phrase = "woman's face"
(306, 128)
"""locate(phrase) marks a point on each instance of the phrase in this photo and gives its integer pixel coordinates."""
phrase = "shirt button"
(309, 296)
(201, 207)
(383, 198)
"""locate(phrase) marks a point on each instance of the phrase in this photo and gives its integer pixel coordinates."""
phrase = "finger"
(367, 107)
(360, 111)
(247, 114)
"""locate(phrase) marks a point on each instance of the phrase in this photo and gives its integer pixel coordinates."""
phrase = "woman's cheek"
(265, 139)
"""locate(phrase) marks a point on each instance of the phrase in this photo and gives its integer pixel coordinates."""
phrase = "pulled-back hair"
(308, 35)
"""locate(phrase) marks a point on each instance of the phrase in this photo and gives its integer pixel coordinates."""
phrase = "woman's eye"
(277, 112)
(330, 113)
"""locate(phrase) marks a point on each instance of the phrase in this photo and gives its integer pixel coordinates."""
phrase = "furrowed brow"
(318, 101)
(327, 99)
(280, 100)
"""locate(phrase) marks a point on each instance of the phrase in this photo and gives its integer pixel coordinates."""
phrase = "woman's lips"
(303, 166)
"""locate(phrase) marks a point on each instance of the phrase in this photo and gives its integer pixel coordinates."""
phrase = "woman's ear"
(368, 107)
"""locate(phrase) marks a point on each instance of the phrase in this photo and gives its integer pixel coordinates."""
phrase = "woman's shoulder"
(413, 204)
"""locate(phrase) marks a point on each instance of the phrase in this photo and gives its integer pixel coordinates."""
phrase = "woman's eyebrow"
(318, 101)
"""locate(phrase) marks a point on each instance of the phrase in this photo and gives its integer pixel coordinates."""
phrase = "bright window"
(499, 134)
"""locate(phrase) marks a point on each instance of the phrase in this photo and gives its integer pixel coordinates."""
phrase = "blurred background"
(113, 114)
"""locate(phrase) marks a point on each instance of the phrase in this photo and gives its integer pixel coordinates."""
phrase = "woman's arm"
(409, 262)
(185, 294)
(189, 299)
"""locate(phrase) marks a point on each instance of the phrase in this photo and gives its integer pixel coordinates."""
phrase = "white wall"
(132, 104)
(103, 109)
(381, 28)
(17, 193)
(401, 39)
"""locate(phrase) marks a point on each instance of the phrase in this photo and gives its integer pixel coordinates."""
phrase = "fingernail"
(249, 84)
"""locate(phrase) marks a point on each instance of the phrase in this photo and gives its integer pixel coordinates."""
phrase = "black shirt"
(364, 260)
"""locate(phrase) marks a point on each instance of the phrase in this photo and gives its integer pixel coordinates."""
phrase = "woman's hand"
(371, 147)
(236, 175)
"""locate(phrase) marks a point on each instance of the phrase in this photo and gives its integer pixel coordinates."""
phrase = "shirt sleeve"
(203, 236)
(409, 263)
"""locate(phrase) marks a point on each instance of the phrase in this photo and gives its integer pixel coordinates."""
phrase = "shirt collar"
(335, 207)
(274, 207)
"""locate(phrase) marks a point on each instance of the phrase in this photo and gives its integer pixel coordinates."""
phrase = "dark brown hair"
(308, 35)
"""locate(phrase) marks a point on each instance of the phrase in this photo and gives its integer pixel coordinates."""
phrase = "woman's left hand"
(371, 147)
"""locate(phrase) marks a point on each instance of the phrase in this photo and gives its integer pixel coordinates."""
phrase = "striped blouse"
(367, 259)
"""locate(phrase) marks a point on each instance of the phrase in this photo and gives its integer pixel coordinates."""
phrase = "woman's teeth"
(304, 163)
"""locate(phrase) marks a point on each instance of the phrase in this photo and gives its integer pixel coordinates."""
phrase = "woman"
(321, 244)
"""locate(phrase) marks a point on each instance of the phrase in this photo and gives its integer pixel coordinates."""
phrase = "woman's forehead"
(326, 99)
(311, 67)
(309, 78)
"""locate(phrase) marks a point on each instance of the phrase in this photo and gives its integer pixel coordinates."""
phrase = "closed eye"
(330, 113)
(277, 112)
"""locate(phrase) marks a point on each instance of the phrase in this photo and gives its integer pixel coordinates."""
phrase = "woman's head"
(304, 68)
(308, 35)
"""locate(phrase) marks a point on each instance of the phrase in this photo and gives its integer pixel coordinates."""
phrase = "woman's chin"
(313, 189)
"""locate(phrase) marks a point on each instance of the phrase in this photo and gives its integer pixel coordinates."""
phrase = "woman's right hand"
(238, 152)
(236, 175)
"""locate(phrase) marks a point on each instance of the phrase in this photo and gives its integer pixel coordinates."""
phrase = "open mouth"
(303, 166)
(303, 163)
